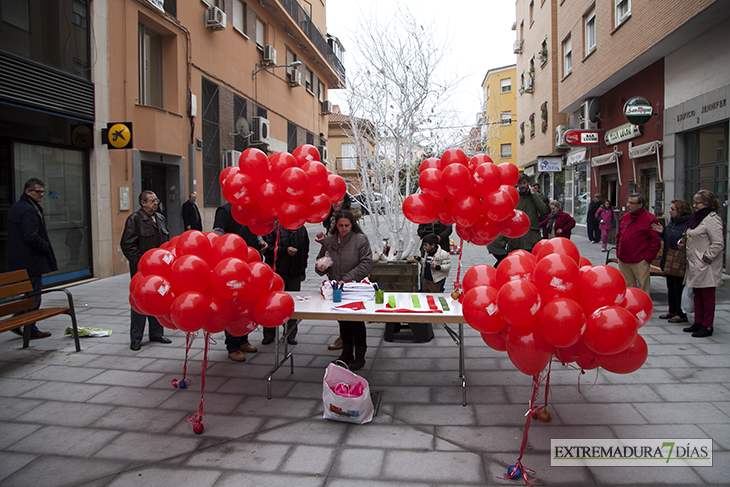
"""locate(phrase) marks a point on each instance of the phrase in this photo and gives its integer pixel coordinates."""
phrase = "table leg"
(287, 356)
(458, 338)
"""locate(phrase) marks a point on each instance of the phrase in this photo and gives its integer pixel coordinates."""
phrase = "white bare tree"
(399, 115)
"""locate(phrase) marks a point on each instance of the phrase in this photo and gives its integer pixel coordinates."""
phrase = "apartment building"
(499, 127)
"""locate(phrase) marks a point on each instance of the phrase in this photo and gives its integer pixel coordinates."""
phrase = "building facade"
(499, 132)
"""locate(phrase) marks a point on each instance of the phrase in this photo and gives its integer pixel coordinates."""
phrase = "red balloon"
(279, 162)
(466, 210)
(583, 262)
(212, 236)
(456, 179)
(481, 311)
(487, 179)
(610, 330)
(555, 276)
(155, 262)
(479, 275)
(316, 175)
(230, 245)
(292, 214)
(515, 225)
(453, 156)
(166, 321)
(190, 310)
(254, 163)
(599, 286)
(242, 321)
(194, 242)
(486, 229)
(630, 360)
(219, 314)
(512, 192)
(246, 215)
(519, 302)
(190, 273)
(639, 304)
(514, 266)
(524, 253)
(269, 198)
(253, 255)
(443, 211)
(430, 183)
(528, 350)
(294, 182)
(537, 247)
(478, 159)
(225, 173)
(306, 153)
(133, 303)
(495, 341)
(135, 280)
(584, 356)
(277, 284)
(419, 208)
(274, 309)
(262, 227)
(230, 277)
(336, 187)
(153, 295)
(561, 322)
(261, 278)
(565, 355)
(560, 245)
(430, 162)
(240, 189)
(318, 207)
(510, 173)
(498, 205)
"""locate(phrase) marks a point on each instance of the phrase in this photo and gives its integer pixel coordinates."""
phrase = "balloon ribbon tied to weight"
(197, 418)
(457, 284)
(185, 382)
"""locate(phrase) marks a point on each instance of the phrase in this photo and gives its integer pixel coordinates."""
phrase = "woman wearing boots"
(606, 222)
(704, 243)
(350, 253)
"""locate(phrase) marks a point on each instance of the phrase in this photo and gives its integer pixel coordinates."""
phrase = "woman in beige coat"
(704, 243)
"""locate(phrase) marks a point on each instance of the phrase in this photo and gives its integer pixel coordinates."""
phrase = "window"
(590, 31)
(543, 52)
(506, 85)
(505, 118)
(150, 67)
(290, 58)
(260, 33)
(15, 13)
(567, 57)
(506, 150)
(349, 157)
(79, 13)
(623, 10)
(211, 143)
(308, 80)
(532, 11)
(239, 16)
(320, 90)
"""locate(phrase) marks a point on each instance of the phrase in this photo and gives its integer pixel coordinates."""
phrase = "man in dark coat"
(29, 247)
(144, 230)
(225, 223)
(191, 214)
(594, 232)
(439, 229)
(292, 253)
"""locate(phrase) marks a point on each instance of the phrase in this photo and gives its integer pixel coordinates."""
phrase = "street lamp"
(290, 65)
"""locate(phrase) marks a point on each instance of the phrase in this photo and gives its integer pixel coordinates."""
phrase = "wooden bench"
(17, 296)
(655, 268)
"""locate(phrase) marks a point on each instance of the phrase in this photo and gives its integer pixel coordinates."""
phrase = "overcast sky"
(478, 33)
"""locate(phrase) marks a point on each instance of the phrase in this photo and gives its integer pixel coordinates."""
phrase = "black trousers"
(290, 284)
(674, 294)
(136, 329)
(353, 333)
(594, 232)
(37, 283)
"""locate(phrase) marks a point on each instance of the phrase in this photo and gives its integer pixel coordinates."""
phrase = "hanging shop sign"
(576, 156)
(117, 135)
(638, 110)
(582, 138)
(623, 132)
(549, 163)
(644, 150)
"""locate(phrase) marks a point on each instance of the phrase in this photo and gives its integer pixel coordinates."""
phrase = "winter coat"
(563, 221)
(191, 216)
(704, 246)
(608, 217)
(351, 259)
(635, 240)
(140, 235)
(288, 266)
(672, 233)
(29, 246)
(443, 262)
(437, 228)
(592, 217)
(532, 205)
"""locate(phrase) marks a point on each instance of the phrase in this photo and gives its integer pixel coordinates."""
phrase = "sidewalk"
(108, 416)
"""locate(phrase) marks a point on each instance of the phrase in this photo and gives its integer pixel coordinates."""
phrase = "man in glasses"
(636, 243)
(29, 247)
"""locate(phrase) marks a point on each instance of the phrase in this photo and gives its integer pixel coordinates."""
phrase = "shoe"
(604, 250)
(291, 341)
(678, 319)
(337, 345)
(160, 339)
(267, 340)
(693, 328)
(703, 332)
(247, 347)
(359, 361)
(34, 335)
(237, 356)
(135, 346)
(346, 355)
(666, 316)
(17, 331)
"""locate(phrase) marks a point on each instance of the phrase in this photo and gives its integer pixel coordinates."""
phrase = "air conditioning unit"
(232, 158)
(296, 78)
(560, 137)
(323, 154)
(326, 107)
(260, 130)
(517, 47)
(215, 18)
(269, 55)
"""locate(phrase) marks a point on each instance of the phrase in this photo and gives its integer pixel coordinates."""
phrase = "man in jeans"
(636, 243)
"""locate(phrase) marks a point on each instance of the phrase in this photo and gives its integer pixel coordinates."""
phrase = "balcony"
(517, 47)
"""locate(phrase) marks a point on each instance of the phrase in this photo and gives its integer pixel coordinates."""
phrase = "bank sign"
(582, 138)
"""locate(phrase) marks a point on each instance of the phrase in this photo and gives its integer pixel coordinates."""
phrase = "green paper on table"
(391, 301)
(416, 302)
(88, 332)
(444, 304)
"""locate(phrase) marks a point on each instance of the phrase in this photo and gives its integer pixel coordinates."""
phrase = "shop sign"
(549, 163)
(623, 132)
(638, 110)
(582, 137)
(530, 171)
(118, 135)
(643, 150)
(575, 157)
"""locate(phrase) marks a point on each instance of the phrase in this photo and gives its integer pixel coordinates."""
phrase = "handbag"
(346, 396)
(676, 262)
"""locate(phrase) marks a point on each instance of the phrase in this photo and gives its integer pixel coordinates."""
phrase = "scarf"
(551, 222)
(697, 217)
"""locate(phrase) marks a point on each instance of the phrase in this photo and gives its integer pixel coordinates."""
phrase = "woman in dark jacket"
(679, 213)
(558, 223)
(350, 259)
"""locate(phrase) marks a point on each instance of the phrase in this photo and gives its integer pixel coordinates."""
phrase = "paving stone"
(681, 413)
(600, 414)
(11, 408)
(717, 474)
(316, 431)
(14, 431)
(126, 378)
(61, 471)
(189, 400)
(480, 438)
(306, 459)
(394, 437)
(64, 413)
(233, 455)
(161, 476)
(359, 463)
(17, 387)
(64, 440)
(436, 414)
(143, 419)
(650, 476)
(220, 426)
(12, 462)
(691, 392)
(433, 467)
(501, 415)
(147, 447)
(62, 391)
(240, 479)
(280, 407)
(132, 396)
(474, 395)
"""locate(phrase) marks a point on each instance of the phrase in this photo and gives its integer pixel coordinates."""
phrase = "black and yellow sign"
(118, 135)
(82, 135)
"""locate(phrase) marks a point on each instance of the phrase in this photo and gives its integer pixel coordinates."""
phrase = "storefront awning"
(645, 150)
(606, 159)
(576, 156)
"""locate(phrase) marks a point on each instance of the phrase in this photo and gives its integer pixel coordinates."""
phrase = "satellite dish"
(242, 127)
(595, 106)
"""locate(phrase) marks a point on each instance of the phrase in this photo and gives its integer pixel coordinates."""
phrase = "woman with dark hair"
(350, 259)
(672, 263)
(704, 243)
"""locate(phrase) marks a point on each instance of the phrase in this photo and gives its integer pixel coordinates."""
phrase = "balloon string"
(457, 283)
(185, 382)
(197, 418)
(547, 384)
(276, 247)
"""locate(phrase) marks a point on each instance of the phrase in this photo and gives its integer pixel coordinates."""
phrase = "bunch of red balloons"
(293, 188)
(475, 194)
(209, 282)
(554, 302)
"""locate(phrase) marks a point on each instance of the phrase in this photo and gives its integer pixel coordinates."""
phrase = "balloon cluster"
(294, 188)
(210, 282)
(554, 302)
(476, 194)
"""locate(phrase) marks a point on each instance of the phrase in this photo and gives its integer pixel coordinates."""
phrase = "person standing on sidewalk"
(144, 230)
(191, 214)
(592, 222)
(29, 247)
(636, 243)
(606, 222)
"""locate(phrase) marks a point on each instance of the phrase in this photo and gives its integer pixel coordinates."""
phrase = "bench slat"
(17, 306)
(15, 289)
(13, 276)
(30, 317)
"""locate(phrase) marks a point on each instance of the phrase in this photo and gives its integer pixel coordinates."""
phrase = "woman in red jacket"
(558, 223)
